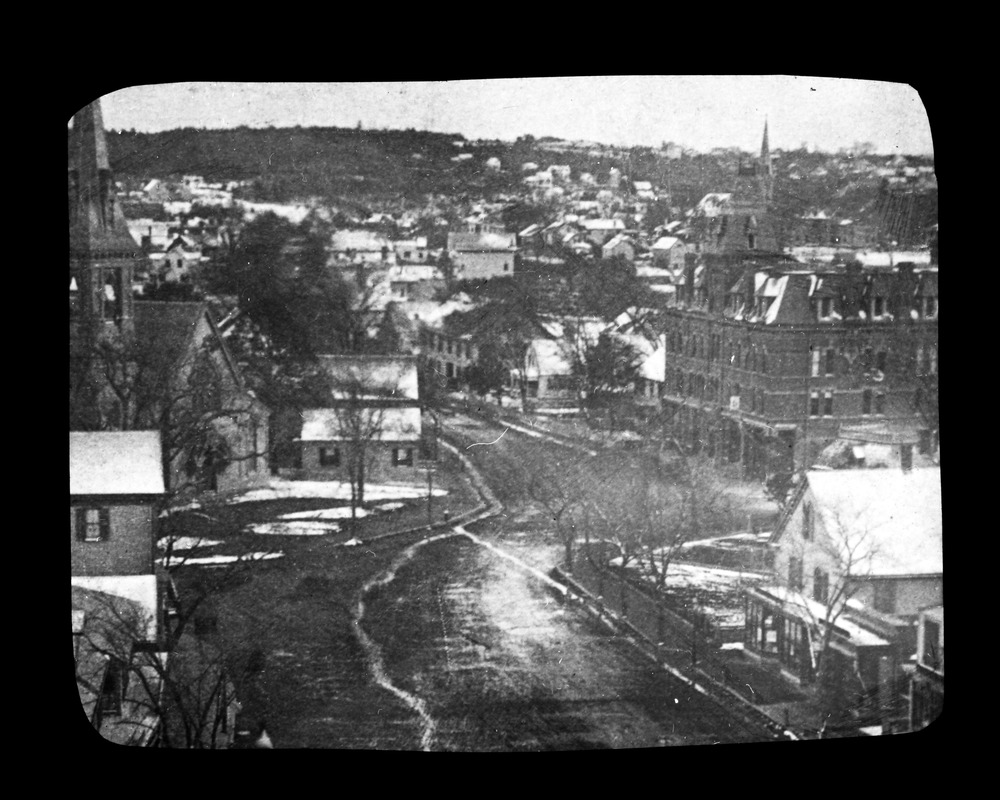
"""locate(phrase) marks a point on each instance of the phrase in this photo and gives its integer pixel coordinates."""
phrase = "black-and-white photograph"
(503, 415)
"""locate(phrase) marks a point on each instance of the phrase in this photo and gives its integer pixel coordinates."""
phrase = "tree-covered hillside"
(369, 166)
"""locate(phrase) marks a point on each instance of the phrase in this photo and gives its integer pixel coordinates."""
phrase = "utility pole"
(430, 495)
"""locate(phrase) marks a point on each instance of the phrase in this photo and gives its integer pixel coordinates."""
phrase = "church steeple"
(103, 253)
(767, 174)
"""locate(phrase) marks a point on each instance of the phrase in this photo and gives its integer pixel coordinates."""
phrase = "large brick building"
(768, 358)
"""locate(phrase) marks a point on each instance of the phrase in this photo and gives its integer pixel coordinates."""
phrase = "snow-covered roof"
(894, 515)
(665, 242)
(617, 239)
(645, 271)
(886, 258)
(417, 243)
(654, 362)
(384, 376)
(481, 242)
(389, 424)
(358, 240)
(549, 357)
(433, 313)
(412, 273)
(711, 204)
(812, 611)
(115, 462)
(603, 224)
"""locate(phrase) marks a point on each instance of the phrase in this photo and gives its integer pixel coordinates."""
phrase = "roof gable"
(892, 517)
(377, 376)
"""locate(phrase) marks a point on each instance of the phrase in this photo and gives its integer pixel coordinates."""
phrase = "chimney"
(854, 290)
(689, 268)
(749, 281)
(905, 288)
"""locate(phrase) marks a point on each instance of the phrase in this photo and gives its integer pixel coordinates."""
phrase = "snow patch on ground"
(186, 543)
(299, 528)
(341, 512)
(214, 561)
(177, 509)
(729, 540)
(330, 490)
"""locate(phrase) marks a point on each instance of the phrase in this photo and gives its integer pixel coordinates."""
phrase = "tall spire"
(102, 251)
(96, 221)
(767, 173)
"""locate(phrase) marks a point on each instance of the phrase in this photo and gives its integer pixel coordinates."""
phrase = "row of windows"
(872, 403)
(451, 347)
(877, 306)
(449, 369)
(331, 457)
(825, 361)
(692, 384)
(749, 357)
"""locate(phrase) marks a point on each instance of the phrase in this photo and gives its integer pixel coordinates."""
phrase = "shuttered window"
(93, 524)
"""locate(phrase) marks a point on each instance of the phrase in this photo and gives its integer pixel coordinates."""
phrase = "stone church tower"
(103, 255)
(749, 223)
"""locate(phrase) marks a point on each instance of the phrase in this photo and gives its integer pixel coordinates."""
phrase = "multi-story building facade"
(768, 357)
(857, 559)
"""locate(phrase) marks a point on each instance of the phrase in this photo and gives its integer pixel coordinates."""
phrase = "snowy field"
(330, 490)
(731, 541)
(321, 490)
(181, 543)
(315, 522)
(219, 560)
(716, 591)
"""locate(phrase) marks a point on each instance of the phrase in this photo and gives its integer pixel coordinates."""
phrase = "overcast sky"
(693, 111)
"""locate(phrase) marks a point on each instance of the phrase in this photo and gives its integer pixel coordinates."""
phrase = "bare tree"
(178, 695)
(823, 567)
(555, 490)
(120, 384)
(677, 506)
(360, 420)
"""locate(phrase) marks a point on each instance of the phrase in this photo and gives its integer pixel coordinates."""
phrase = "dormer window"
(825, 307)
(878, 306)
(930, 307)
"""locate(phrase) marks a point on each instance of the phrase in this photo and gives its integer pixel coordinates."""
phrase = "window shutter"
(105, 523)
(81, 524)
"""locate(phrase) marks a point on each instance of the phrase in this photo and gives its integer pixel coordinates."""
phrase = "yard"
(279, 570)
